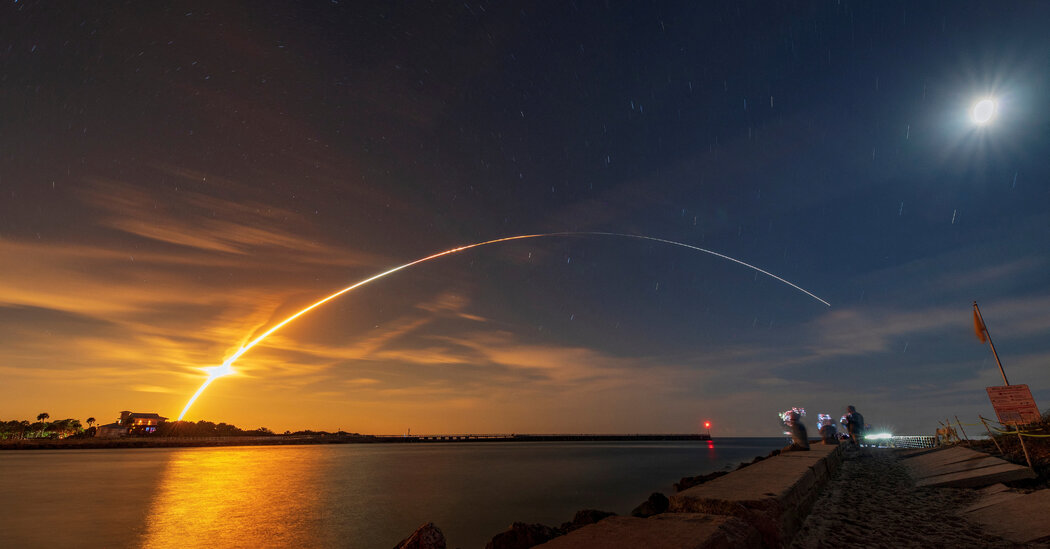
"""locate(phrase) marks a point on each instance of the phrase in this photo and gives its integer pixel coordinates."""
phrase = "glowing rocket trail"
(226, 369)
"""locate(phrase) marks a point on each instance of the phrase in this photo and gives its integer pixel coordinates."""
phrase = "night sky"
(175, 180)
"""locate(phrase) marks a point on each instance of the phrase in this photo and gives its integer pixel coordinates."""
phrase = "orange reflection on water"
(237, 497)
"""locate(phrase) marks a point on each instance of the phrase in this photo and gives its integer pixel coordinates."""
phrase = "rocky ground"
(873, 502)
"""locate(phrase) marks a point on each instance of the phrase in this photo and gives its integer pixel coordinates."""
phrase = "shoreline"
(760, 503)
(841, 496)
(285, 440)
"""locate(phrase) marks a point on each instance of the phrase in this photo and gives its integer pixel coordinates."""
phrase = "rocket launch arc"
(226, 368)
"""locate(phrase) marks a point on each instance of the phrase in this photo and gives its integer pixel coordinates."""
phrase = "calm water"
(354, 495)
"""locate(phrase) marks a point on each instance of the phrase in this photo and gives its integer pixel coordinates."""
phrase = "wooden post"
(1000, 448)
(961, 429)
(1025, 448)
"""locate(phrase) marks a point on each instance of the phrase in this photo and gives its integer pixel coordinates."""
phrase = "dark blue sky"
(177, 179)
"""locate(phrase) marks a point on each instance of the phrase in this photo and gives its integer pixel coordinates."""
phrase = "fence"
(903, 442)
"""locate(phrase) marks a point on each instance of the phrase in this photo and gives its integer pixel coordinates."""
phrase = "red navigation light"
(707, 425)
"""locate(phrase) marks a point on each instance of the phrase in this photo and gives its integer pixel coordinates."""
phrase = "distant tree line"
(72, 428)
(16, 429)
(205, 429)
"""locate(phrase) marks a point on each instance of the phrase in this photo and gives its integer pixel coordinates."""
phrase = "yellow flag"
(979, 328)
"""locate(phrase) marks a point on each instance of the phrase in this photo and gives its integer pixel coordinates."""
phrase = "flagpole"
(987, 334)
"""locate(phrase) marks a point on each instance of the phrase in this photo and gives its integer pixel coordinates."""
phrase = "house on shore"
(131, 423)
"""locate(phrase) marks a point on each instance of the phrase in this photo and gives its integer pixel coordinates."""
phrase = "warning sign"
(1014, 404)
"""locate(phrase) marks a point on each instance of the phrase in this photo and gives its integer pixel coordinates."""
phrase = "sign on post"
(1013, 404)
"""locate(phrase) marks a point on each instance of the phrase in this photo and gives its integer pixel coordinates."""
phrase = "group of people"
(852, 423)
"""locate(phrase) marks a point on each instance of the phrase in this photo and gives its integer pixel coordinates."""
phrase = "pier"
(541, 438)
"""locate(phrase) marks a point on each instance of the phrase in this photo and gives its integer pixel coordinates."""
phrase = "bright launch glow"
(984, 111)
(215, 372)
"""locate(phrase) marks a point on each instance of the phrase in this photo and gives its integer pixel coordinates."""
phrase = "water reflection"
(237, 497)
(355, 495)
(76, 498)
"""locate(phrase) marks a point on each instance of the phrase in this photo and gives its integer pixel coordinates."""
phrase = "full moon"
(983, 111)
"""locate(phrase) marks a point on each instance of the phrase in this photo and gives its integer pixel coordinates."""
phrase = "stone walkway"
(873, 501)
(842, 497)
(959, 467)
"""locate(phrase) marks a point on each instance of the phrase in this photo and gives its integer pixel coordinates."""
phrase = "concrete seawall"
(762, 505)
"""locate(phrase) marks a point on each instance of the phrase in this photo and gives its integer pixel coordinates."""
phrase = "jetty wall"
(762, 505)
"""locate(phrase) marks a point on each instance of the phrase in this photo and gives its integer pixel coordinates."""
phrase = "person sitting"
(826, 427)
(855, 425)
(799, 438)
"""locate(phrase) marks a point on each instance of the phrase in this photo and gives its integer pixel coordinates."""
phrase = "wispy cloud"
(866, 330)
(197, 220)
